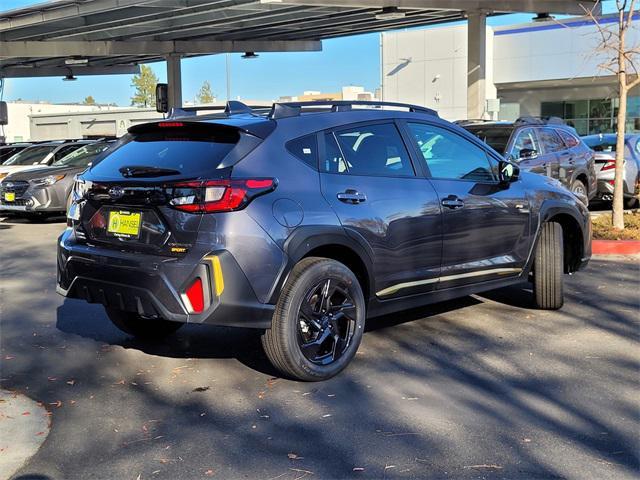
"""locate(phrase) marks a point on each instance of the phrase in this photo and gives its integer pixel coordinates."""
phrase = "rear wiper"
(146, 171)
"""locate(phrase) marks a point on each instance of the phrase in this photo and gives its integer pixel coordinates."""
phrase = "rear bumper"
(154, 286)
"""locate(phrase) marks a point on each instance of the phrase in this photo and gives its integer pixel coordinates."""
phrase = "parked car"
(7, 151)
(40, 155)
(605, 158)
(47, 190)
(307, 220)
(542, 145)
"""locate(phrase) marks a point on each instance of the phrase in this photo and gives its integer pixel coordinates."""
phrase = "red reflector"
(266, 183)
(170, 124)
(612, 182)
(196, 295)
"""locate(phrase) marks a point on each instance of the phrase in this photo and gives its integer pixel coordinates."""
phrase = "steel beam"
(101, 48)
(569, 7)
(27, 72)
(174, 80)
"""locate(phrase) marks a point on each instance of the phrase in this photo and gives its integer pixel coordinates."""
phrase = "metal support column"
(476, 64)
(174, 79)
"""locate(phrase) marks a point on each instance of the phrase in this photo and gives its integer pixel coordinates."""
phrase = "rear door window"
(190, 154)
(550, 140)
(376, 150)
(569, 140)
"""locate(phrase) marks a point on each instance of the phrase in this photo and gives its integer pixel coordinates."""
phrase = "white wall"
(18, 128)
(429, 67)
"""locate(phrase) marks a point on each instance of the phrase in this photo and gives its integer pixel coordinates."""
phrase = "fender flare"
(304, 239)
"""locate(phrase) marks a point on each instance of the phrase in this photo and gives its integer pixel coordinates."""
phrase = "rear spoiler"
(258, 128)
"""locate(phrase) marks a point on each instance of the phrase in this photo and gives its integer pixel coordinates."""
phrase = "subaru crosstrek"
(306, 220)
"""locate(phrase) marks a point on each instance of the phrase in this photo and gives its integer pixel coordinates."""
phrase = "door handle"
(452, 202)
(351, 196)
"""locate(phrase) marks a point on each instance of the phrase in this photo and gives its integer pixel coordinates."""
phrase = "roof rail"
(293, 109)
(539, 120)
(232, 107)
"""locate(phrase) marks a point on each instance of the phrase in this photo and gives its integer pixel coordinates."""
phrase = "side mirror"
(528, 153)
(162, 97)
(507, 172)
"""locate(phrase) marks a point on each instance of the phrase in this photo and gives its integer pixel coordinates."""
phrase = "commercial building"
(350, 92)
(540, 68)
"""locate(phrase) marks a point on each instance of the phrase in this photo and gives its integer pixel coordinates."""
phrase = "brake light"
(610, 165)
(195, 294)
(170, 124)
(210, 196)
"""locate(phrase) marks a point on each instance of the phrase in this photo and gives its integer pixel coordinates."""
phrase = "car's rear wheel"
(142, 327)
(580, 188)
(319, 321)
(548, 268)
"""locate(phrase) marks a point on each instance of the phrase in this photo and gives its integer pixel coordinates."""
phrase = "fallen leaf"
(200, 389)
(26, 413)
(209, 473)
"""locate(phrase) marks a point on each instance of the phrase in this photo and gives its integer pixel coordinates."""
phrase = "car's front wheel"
(578, 187)
(319, 321)
(548, 268)
(142, 327)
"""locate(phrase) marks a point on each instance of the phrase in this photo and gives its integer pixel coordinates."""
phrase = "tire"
(631, 202)
(548, 268)
(289, 346)
(579, 187)
(141, 327)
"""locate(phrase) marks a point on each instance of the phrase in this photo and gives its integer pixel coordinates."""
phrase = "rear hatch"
(149, 191)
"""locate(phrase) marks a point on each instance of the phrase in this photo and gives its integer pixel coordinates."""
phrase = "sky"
(343, 61)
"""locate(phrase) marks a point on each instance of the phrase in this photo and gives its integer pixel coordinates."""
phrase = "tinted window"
(569, 140)
(334, 161)
(191, 154)
(66, 150)
(306, 149)
(82, 156)
(550, 140)
(525, 140)
(451, 156)
(373, 150)
(31, 155)
(8, 152)
(496, 138)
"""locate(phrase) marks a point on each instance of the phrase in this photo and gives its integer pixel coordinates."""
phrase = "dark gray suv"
(307, 219)
(542, 145)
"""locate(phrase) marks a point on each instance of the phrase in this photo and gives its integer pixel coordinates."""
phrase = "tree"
(89, 100)
(623, 61)
(205, 95)
(145, 84)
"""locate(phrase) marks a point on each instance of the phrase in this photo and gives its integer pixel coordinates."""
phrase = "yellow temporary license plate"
(9, 196)
(124, 224)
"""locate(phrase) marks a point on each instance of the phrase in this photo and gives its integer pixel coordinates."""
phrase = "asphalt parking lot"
(476, 388)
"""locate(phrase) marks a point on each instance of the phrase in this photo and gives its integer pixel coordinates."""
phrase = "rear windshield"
(189, 154)
(31, 155)
(496, 138)
(82, 156)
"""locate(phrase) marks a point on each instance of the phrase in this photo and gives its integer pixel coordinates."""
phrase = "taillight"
(211, 196)
(610, 165)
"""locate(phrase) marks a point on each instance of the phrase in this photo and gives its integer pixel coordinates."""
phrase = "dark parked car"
(545, 146)
(306, 220)
(605, 147)
(48, 189)
(7, 151)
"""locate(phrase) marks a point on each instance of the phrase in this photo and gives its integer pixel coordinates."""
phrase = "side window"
(64, 151)
(333, 161)
(569, 140)
(550, 140)
(451, 156)
(306, 149)
(525, 144)
(370, 150)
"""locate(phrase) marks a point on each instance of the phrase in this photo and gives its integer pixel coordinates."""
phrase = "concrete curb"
(24, 426)
(615, 247)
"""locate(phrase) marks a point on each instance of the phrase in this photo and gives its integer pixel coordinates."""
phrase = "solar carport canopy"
(113, 36)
